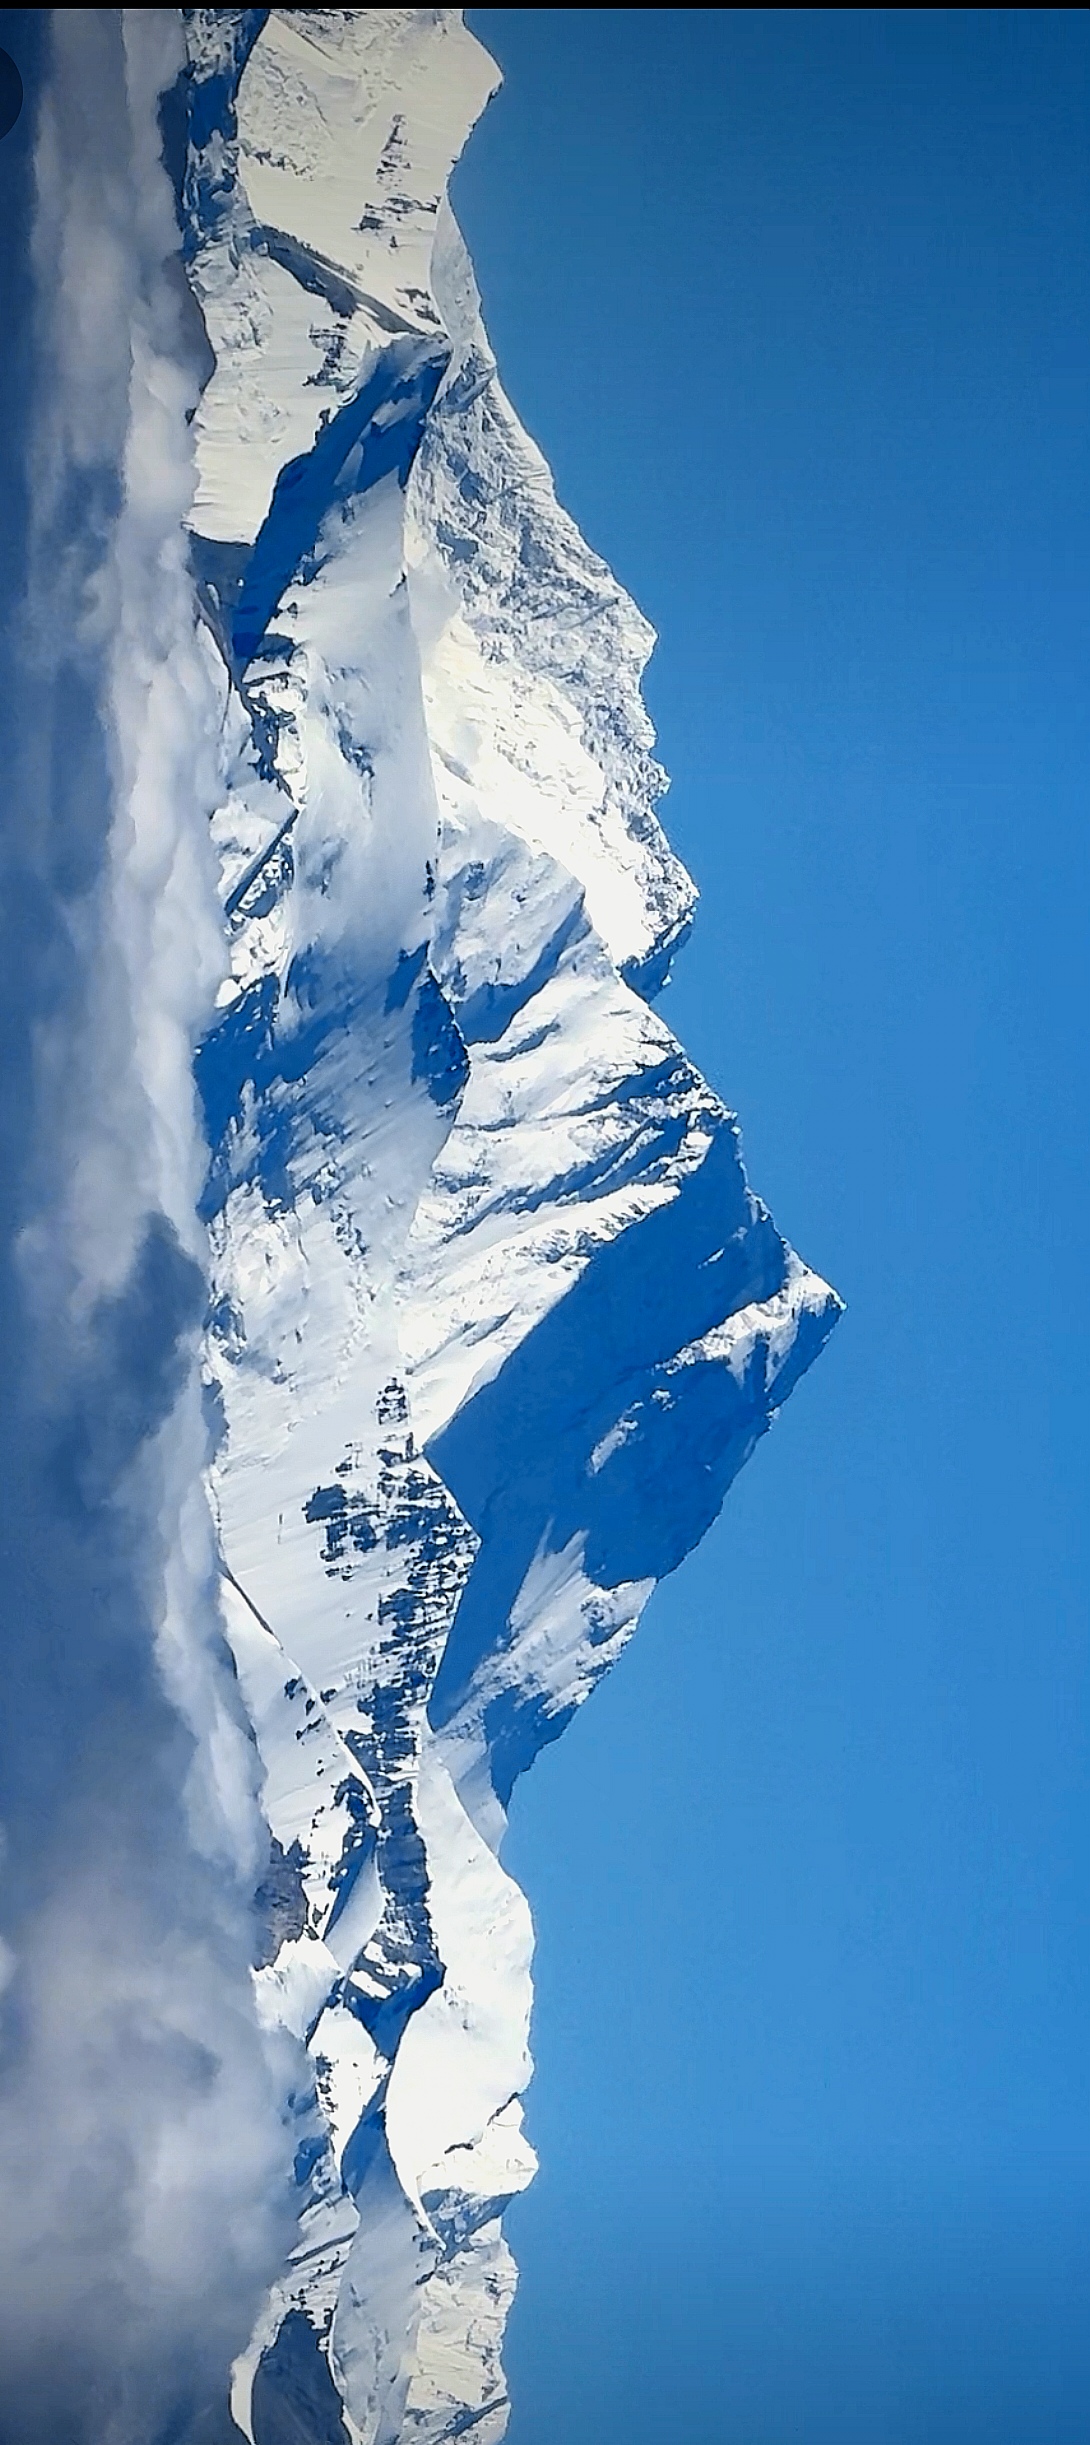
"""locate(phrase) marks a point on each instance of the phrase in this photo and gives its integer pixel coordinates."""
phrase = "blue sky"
(795, 302)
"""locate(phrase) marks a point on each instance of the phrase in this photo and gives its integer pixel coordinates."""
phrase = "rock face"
(495, 1317)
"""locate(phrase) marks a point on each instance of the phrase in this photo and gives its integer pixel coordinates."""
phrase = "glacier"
(493, 1316)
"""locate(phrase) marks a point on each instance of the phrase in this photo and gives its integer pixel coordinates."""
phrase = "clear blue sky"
(796, 302)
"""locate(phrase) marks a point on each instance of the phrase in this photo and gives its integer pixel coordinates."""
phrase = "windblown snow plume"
(391, 1307)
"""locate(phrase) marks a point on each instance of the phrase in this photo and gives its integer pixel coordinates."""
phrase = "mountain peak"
(495, 1316)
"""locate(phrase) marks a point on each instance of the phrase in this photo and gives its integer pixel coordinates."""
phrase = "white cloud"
(144, 2156)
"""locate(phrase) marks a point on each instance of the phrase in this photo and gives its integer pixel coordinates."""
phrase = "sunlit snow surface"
(495, 1316)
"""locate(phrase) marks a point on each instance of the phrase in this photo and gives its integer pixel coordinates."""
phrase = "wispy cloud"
(143, 2151)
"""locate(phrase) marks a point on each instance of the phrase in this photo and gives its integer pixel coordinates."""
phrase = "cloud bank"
(144, 2124)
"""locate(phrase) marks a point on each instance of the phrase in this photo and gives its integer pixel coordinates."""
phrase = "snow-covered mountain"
(495, 1316)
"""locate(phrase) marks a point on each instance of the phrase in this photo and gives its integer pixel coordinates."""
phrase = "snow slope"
(495, 1316)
